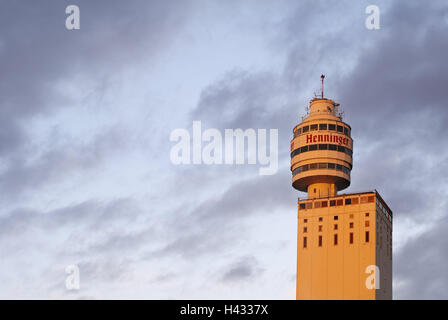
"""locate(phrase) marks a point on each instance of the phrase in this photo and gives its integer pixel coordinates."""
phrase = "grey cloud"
(215, 224)
(390, 84)
(420, 266)
(244, 269)
(89, 214)
(42, 57)
(22, 176)
(393, 98)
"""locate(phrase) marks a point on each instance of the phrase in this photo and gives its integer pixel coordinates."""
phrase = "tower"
(344, 247)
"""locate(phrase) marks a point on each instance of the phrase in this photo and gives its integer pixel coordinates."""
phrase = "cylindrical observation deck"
(321, 151)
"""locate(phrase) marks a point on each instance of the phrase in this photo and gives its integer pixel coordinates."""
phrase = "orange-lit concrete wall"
(339, 271)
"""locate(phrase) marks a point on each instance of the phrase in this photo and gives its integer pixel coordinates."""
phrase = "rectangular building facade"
(340, 241)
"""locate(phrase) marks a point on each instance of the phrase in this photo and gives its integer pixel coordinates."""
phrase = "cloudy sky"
(85, 123)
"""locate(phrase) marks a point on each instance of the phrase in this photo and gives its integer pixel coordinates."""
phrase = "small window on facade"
(305, 229)
(317, 204)
(341, 149)
(335, 227)
(332, 203)
(313, 166)
(331, 166)
(313, 127)
(339, 202)
(332, 147)
(324, 204)
(351, 216)
(367, 223)
(355, 200)
(340, 129)
(304, 149)
(304, 242)
(351, 225)
(305, 220)
(320, 228)
(321, 219)
(313, 147)
(349, 133)
(367, 214)
(367, 236)
(305, 129)
(323, 146)
(339, 167)
(332, 127)
(351, 237)
(345, 131)
(320, 241)
(323, 126)
(335, 217)
(335, 239)
(348, 201)
(299, 131)
(363, 199)
(322, 166)
(302, 206)
(309, 205)
(371, 199)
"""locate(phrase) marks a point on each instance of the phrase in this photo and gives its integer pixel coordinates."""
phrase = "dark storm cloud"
(241, 100)
(402, 76)
(395, 103)
(39, 56)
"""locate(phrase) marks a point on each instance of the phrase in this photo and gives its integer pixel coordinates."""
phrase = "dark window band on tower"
(322, 165)
(323, 127)
(313, 147)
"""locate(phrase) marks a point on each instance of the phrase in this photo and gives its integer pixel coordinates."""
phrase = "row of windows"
(337, 202)
(335, 239)
(314, 166)
(335, 227)
(314, 147)
(323, 126)
(351, 216)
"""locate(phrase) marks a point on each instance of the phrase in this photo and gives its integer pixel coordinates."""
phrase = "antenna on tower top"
(322, 77)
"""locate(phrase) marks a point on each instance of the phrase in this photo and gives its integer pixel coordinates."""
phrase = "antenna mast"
(322, 77)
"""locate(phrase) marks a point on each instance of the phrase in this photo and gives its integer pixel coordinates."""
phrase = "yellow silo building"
(344, 240)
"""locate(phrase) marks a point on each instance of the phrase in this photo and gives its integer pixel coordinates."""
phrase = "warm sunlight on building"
(341, 238)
